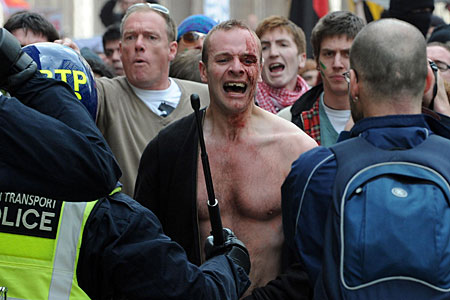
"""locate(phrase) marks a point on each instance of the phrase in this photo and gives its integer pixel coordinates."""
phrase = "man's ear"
(429, 86)
(354, 85)
(429, 81)
(202, 68)
(302, 60)
(173, 48)
(260, 68)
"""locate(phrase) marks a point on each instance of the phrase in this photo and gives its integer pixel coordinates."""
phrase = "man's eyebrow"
(221, 54)
(277, 40)
(334, 50)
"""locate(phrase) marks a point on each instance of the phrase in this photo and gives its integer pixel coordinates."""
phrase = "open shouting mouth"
(276, 67)
(235, 87)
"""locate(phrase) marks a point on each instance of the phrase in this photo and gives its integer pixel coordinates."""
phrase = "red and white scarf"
(274, 99)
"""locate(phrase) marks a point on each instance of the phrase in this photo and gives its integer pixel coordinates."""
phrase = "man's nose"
(116, 55)
(236, 66)
(199, 43)
(139, 43)
(338, 61)
(274, 51)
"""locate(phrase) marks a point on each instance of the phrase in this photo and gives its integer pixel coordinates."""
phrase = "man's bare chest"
(247, 182)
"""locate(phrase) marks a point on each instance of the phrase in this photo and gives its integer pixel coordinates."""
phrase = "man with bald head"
(387, 78)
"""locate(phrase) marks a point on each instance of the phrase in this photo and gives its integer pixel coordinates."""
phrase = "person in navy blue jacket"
(50, 147)
(386, 85)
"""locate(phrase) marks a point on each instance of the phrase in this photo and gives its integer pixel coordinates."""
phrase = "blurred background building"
(80, 20)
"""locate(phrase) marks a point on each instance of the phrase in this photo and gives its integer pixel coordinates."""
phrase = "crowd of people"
(330, 172)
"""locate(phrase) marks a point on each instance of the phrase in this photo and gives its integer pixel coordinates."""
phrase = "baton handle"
(213, 204)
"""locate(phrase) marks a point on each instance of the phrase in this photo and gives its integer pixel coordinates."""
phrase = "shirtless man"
(250, 153)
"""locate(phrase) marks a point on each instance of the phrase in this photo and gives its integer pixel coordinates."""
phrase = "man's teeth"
(275, 66)
(237, 87)
(235, 84)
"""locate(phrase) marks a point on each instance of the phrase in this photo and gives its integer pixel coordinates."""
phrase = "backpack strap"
(357, 153)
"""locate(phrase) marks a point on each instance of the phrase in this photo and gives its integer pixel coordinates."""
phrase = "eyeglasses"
(435, 69)
(442, 66)
(153, 6)
(192, 36)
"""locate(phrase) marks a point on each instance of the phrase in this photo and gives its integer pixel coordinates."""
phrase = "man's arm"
(125, 253)
(52, 146)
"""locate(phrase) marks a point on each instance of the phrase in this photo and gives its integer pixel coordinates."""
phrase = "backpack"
(388, 231)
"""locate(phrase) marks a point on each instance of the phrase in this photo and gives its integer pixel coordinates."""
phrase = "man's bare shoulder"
(281, 127)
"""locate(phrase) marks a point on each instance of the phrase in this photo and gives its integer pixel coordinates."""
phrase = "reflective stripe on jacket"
(40, 240)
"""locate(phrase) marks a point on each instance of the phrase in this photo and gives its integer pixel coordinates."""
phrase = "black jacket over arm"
(167, 183)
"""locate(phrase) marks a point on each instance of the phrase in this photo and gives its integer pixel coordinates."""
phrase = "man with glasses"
(133, 108)
(323, 111)
(436, 99)
(386, 86)
(192, 32)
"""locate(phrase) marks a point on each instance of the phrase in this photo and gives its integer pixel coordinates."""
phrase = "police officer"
(108, 248)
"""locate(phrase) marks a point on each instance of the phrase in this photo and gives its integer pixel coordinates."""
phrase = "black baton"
(213, 204)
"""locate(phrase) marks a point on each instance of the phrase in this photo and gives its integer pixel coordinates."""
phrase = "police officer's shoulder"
(120, 206)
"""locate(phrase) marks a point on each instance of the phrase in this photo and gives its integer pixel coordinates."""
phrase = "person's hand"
(232, 247)
(69, 43)
(441, 102)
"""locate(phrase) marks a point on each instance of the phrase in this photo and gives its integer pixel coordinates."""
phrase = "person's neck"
(163, 85)
(291, 85)
(226, 125)
(398, 106)
(334, 101)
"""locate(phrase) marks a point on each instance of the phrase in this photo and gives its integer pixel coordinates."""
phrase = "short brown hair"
(171, 27)
(272, 22)
(226, 26)
(337, 23)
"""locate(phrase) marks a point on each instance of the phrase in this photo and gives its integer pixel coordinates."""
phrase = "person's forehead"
(439, 53)
(278, 33)
(234, 41)
(112, 43)
(336, 42)
(29, 35)
(146, 19)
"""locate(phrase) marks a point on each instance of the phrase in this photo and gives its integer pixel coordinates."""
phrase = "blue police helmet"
(63, 63)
